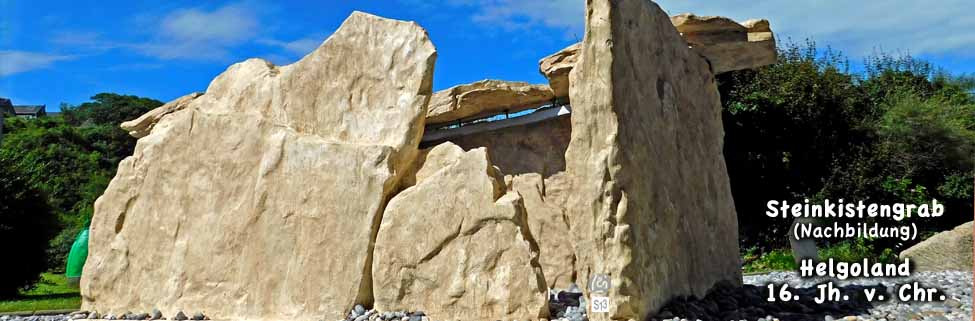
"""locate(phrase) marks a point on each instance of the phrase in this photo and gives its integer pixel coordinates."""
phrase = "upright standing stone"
(547, 222)
(804, 248)
(261, 198)
(650, 202)
(456, 245)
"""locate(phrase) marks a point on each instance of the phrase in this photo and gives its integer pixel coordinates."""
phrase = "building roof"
(6, 106)
(29, 109)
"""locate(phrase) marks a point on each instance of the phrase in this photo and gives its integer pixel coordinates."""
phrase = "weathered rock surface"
(757, 25)
(533, 158)
(140, 127)
(260, 199)
(485, 97)
(556, 68)
(948, 250)
(549, 225)
(726, 44)
(758, 51)
(650, 201)
(708, 30)
(456, 245)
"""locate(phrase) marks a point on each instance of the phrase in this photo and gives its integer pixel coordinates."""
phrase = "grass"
(846, 251)
(775, 260)
(51, 293)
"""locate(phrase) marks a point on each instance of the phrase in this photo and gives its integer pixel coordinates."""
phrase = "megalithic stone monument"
(296, 192)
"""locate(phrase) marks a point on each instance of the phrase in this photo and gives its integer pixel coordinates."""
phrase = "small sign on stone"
(600, 283)
(600, 304)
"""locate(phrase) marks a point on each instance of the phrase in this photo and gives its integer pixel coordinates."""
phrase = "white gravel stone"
(956, 286)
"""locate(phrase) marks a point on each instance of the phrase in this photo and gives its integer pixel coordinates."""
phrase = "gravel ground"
(749, 302)
(56, 317)
(956, 285)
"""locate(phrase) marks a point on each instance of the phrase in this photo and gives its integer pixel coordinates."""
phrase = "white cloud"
(520, 14)
(194, 34)
(298, 47)
(856, 27)
(230, 24)
(87, 41)
(198, 34)
(12, 61)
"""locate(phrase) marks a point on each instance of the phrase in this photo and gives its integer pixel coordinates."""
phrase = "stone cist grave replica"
(297, 192)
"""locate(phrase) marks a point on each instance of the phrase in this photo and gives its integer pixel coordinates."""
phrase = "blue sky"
(66, 51)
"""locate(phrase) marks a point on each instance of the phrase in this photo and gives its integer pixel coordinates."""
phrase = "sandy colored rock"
(739, 55)
(533, 158)
(649, 185)
(485, 98)
(140, 127)
(708, 30)
(948, 250)
(556, 68)
(260, 199)
(476, 261)
(549, 226)
(727, 44)
(757, 25)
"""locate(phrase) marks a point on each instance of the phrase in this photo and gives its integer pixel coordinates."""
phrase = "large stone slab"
(708, 30)
(556, 68)
(456, 245)
(726, 44)
(260, 199)
(948, 250)
(650, 204)
(485, 98)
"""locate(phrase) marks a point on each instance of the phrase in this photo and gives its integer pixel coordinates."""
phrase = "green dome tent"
(76, 258)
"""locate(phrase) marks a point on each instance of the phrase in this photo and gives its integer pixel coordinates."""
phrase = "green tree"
(786, 125)
(26, 225)
(71, 158)
(100, 118)
(807, 127)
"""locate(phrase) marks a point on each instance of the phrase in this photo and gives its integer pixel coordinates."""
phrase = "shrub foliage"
(26, 226)
(900, 131)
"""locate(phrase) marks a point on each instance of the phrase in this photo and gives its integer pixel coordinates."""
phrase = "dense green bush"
(774, 260)
(26, 225)
(845, 251)
(72, 157)
(786, 125)
(808, 127)
(856, 251)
